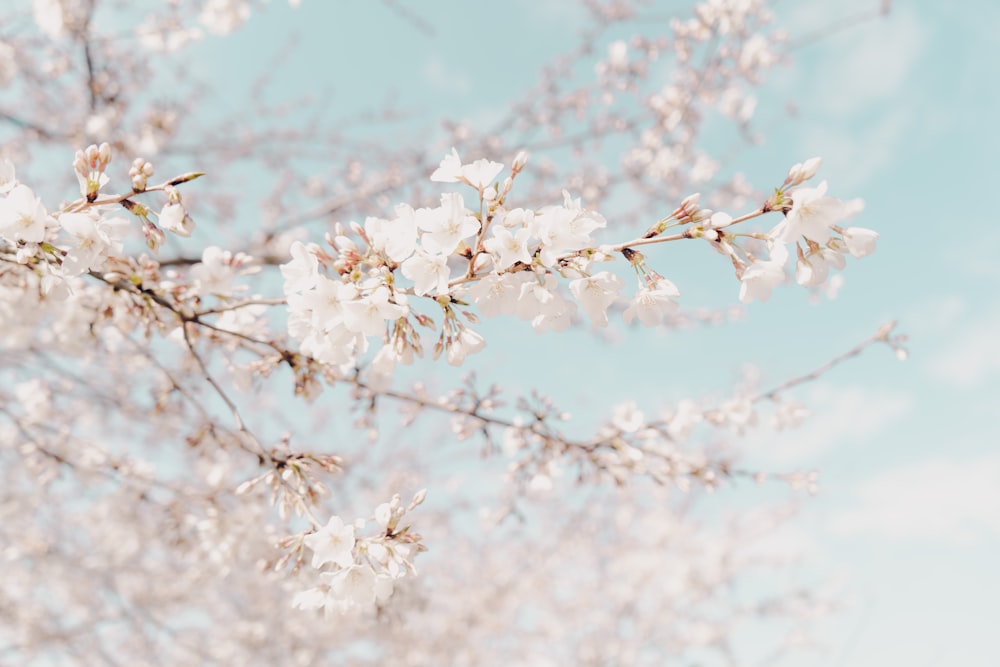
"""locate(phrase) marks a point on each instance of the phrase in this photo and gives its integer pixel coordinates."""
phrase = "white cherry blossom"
(481, 173)
(497, 294)
(302, 272)
(508, 248)
(812, 215)
(596, 293)
(215, 273)
(468, 342)
(397, 237)
(94, 239)
(446, 226)
(860, 242)
(478, 174)
(652, 303)
(450, 169)
(23, 216)
(174, 218)
(333, 543)
(763, 276)
(429, 273)
(566, 227)
(813, 269)
(369, 314)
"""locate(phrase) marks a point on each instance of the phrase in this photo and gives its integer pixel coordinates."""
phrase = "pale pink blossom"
(22, 216)
(497, 294)
(174, 218)
(812, 215)
(481, 173)
(652, 304)
(333, 543)
(813, 269)
(860, 242)
(353, 585)
(397, 238)
(215, 273)
(94, 239)
(429, 273)
(763, 276)
(302, 272)
(450, 169)
(467, 342)
(596, 293)
(369, 314)
(446, 226)
(508, 248)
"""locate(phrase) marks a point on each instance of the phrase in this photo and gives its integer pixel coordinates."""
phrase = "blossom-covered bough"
(162, 494)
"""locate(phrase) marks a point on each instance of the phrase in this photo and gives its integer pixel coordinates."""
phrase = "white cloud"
(873, 67)
(853, 155)
(939, 500)
(972, 355)
(441, 77)
(840, 416)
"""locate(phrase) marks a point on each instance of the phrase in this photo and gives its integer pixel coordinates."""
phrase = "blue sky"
(904, 112)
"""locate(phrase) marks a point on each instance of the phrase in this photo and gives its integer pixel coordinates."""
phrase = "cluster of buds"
(688, 212)
(458, 339)
(349, 256)
(139, 173)
(389, 514)
(89, 166)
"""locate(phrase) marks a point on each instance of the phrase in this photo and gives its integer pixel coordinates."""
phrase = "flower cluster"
(509, 261)
(810, 222)
(358, 571)
(85, 235)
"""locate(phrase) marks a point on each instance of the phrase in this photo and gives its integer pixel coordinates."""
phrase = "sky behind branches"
(903, 110)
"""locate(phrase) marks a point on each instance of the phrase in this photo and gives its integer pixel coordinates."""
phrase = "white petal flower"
(333, 543)
(22, 216)
(761, 277)
(397, 238)
(354, 585)
(429, 273)
(174, 218)
(508, 248)
(813, 269)
(812, 215)
(860, 241)
(302, 272)
(596, 293)
(562, 228)
(652, 304)
(498, 295)
(368, 315)
(446, 226)
(450, 169)
(481, 173)
(94, 239)
(468, 342)
(215, 273)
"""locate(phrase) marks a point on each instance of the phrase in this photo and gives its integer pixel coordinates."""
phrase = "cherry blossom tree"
(226, 430)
